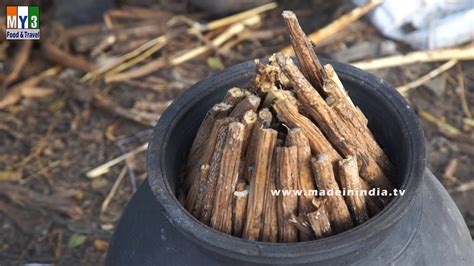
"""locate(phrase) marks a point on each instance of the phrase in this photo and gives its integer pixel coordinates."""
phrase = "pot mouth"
(321, 249)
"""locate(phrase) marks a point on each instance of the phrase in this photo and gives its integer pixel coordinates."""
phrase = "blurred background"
(77, 107)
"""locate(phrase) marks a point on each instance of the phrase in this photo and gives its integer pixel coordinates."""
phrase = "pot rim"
(345, 242)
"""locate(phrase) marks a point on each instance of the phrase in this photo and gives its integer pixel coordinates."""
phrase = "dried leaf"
(99, 183)
(101, 245)
(15, 93)
(22, 218)
(10, 175)
(59, 201)
(10, 99)
(36, 92)
(107, 227)
(215, 63)
(76, 240)
(56, 105)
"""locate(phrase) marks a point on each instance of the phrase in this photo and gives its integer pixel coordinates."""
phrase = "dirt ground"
(55, 129)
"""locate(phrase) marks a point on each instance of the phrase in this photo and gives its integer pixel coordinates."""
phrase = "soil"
(54, 212)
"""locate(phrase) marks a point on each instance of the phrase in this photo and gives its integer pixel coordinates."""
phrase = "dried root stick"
(310, 65)
(250, 102)
(319, 221)
(303, 226)
(218, 111)
(342, 105)
(297, 138)
(240, 207)
(249, 120)
(234, 96)
(337, 132)
(270, 215)
(264, 120)
(352, 183)
(338, 212)
(264, 147)
(287, 158)
(288, 113)
(210, 183)
(198, 174)
(325, 80)
(221, 218)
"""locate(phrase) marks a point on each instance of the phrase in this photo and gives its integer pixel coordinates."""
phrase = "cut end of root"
(265, 114)
(294, 130)
(348, 161)
(281, 58)
(330, 100)
(236, 92)
(322, 157)
(254, 100)
(270, 131)
(273, 96)
(222, 107)
(250, 116)
(205, 167)
(288, 14)
(241, 194)
(329, 70)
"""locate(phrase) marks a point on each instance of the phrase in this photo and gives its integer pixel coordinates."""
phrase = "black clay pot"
(421, 227)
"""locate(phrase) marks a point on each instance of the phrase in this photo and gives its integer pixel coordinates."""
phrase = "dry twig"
(15, 93)
(113, 190)
(21, 58)
(144, 118)
(427, 77)
(464, 53)
(462, 92)
(178, 59)
(59, 201)
(63, 58)
(104, 168)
